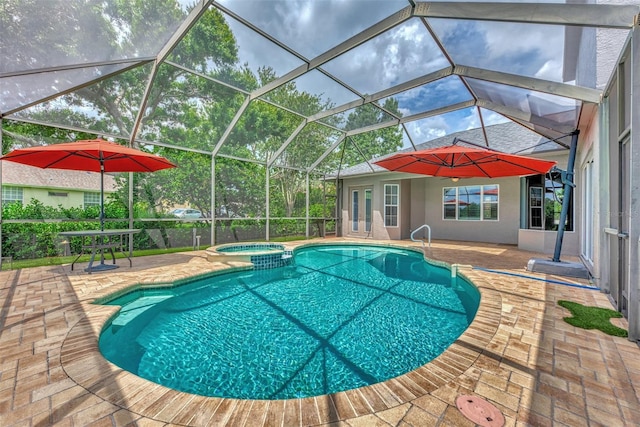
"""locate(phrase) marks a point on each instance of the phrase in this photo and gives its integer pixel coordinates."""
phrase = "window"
(544, 202)
(588, 211)
(57, 194)
(536, 207)
(11, 195)
(470, 203)
(391, 201)
(91, 199)
(368, 208)
(355, 204)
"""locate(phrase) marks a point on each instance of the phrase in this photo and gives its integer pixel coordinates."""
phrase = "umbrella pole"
(566, 196)
(101, 193)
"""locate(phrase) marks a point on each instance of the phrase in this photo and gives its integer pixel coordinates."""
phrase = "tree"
(184, 106)
(22, 135)
(377, 143)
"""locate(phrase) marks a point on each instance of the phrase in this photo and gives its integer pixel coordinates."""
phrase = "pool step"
(136, 308)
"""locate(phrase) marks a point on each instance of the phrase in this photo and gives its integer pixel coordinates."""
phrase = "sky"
(413, 48)
(405, 52)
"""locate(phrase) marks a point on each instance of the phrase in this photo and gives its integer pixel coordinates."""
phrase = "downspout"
(1, 153)
(307, 207)
(568, 186)
(213, 201)
(267, 200)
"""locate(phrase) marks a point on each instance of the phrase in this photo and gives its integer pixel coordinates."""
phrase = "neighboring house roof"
(17, 174)
(507, 137)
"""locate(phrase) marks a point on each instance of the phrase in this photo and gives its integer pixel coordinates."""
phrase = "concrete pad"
(558, 268)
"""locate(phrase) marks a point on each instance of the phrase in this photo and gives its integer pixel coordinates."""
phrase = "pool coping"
(82, 361)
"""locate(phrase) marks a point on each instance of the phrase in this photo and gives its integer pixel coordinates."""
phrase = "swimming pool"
(339, 318)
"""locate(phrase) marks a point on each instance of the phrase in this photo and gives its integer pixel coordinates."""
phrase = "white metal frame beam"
(178, 35)
(634, 171)
(79, 86)
(525, 117)
(530, 83)
(588, 15)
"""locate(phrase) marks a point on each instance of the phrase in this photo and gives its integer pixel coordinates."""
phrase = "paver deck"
(518, 354)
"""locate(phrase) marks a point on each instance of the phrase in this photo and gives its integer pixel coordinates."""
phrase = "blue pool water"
(338, 318)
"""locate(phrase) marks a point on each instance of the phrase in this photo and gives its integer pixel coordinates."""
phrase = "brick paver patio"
(518, 354)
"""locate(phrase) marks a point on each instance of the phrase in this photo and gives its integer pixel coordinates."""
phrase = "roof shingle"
(29, 176)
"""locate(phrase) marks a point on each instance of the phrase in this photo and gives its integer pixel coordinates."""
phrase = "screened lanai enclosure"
(261, 104)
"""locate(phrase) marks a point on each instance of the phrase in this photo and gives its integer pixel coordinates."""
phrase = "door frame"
(361, 211)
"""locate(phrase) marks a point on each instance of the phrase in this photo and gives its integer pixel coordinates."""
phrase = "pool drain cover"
(480, 411)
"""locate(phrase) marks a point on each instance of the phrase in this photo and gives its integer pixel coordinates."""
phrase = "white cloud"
(551, 70)
(312, 27)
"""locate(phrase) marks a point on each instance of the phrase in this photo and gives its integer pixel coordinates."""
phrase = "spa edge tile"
(275, 413)
(309, 411)
(238, 416)
(326, 408)
(122, 389)
(172, 408)
(373, 399)
(292, 415)
(257, 414)
(425, 378)
(152, 403)
(358, 402)
(415, 387)
(343, 405)
(136, 394)
(389, 398)
(399, 390)
(454, 363)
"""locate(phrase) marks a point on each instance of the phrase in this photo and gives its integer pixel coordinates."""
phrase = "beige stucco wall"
(545, 241)
(74, 199)
(588, 151)
(377, 182)
(421, 203)
(505, 230)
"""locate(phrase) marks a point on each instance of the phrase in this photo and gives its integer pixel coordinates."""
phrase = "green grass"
(39, 262)
(592, 318)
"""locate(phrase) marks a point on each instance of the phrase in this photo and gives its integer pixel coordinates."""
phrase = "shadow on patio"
(519, 354)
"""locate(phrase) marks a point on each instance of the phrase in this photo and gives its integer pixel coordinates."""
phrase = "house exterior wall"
(614, 259)
(588, 152)
(544, 241)
(73, 199)
(421, 203)
(43, 184)
(617, 269)
(377, 183)
(504, 230)
(406, 203)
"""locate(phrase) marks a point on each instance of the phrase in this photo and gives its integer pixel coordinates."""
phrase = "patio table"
(101, 242)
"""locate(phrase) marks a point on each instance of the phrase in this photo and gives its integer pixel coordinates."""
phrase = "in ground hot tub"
(261, 254)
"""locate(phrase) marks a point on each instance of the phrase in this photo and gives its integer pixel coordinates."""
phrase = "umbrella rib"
(479, 163)
(69, 154)
(118, 156)
(522, 166)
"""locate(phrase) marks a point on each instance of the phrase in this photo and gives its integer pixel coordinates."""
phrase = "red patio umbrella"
(455, 161)
(95, 155)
